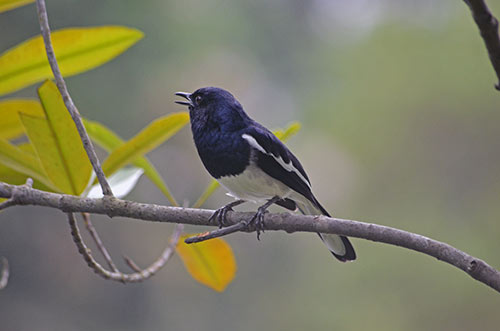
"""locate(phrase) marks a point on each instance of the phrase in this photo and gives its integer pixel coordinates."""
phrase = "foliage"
(11, 4)
(210, 262)
(77, 50)
(54, 155)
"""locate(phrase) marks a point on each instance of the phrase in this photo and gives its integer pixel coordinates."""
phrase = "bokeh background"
(401, 127)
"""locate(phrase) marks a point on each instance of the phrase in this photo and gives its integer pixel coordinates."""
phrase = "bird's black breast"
(222, 153)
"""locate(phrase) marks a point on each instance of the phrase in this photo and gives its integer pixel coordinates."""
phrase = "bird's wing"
(276, 160)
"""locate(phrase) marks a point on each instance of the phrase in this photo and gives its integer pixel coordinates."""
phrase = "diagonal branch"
(474, 267)
(61, 85)
(240, 226)
(97, 239)
(139, 275)
(488, 28)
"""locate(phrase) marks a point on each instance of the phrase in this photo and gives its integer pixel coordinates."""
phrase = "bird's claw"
(258, 220)
(220, 215)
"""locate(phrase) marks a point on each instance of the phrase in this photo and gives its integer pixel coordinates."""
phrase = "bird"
(251, 163)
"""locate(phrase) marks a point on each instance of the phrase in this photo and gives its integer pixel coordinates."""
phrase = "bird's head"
(213, 106)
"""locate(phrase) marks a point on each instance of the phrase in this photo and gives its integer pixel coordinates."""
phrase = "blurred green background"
(401, 127)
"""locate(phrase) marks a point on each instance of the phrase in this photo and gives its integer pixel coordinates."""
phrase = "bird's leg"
(258, 218)
(220, 214)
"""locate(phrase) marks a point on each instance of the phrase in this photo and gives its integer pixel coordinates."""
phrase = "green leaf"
(283, 135)
(10, 125)
(11, 176)
(77, 50)
(18, 160)
(57, 142)
(109, 140)
(6, 5)
(27, 147)
(149, 138)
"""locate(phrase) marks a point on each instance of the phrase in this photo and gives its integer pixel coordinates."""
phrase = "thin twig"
(120, 276)
(61, 85)
(4, 275)
(474, 267)
(97, 239)
(488, 27)
(132, 265)
(217, 233)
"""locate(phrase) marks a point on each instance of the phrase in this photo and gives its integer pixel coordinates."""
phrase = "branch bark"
(474, 267)
(488, 28)
(68, 101)
(140, 274)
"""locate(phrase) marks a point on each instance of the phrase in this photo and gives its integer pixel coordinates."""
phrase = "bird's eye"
(197, 100)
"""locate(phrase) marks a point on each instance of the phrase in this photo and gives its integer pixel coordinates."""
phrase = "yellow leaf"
(11, 176)
(210, 262)
(149, 138)
(27, 147)
(77, 50)
(19, 160)
(10, 125)
(290, 131)
(57, 142)
(12, 4)
(109, 140)
(14, 158)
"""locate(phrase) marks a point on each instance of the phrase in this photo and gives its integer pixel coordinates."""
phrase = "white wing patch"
(287, 166)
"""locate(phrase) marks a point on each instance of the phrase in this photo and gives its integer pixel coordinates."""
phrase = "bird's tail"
(339, 246)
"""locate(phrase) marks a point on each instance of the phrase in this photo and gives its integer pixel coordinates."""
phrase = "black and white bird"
(251, 162)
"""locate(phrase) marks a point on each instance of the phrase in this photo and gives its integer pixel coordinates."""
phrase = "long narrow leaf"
(10, 124)
(149, 138)
(57, 142)
(18, 160)
(77, 50)
(109, 140)
(11, 176)
(12, 4)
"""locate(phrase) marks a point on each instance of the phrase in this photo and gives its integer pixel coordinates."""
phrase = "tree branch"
(97, 240)
(240, 226)
(474, 267)
(61, 85)
(139, 275)
(12, 200)
(488, 28)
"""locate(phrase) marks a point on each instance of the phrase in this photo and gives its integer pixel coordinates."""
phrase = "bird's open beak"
(185, 95)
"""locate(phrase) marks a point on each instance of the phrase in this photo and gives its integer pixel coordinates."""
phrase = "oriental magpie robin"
(251, 162)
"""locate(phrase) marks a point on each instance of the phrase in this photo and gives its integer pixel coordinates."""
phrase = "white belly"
(254, 185)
